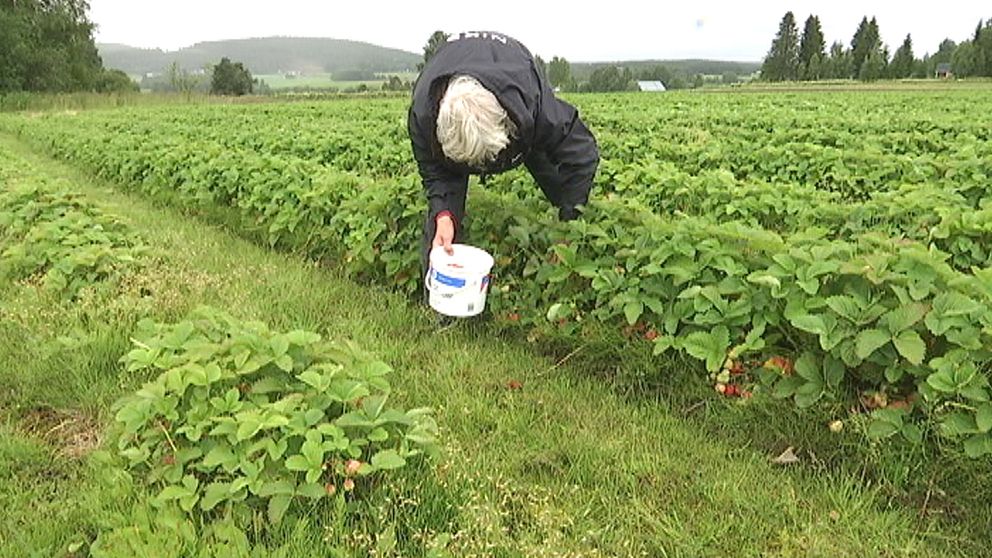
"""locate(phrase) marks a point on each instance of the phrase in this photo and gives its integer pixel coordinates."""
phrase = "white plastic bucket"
(457, 285)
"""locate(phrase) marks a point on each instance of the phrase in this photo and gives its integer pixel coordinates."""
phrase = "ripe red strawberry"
(651, 335)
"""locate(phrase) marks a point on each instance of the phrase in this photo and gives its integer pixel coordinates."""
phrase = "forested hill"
(285, 54)
(265, 56)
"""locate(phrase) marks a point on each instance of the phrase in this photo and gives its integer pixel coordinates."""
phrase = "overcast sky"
(615, 30)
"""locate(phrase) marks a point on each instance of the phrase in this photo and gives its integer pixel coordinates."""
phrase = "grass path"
(562, 466)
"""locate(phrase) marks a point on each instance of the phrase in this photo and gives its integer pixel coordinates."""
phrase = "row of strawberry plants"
(902, 124)
(923, 212)
(238, 422)
(942, 218)
(849, 145)
(841, 142)
(870, 311)
(854, 174)
(51, 237)
(344, 139)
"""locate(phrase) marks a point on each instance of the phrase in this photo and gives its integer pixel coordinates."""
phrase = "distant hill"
(582, 70)
(272, 55)
(265, 56)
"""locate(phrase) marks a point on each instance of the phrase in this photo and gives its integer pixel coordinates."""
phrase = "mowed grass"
(557, 463)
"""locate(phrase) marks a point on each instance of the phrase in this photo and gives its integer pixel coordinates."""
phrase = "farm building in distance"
(944, 71)
(650, 86)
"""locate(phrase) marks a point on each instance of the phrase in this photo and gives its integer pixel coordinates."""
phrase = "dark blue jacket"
(508, 70)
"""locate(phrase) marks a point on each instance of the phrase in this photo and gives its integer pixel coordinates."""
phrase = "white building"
(650, 86)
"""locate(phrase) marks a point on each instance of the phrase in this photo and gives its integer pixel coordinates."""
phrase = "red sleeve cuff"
(449, 214)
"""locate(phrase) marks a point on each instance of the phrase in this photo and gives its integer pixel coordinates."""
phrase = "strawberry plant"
(238, 413)
(53, 237)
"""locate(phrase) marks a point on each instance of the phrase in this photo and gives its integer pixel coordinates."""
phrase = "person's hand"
(445, 233)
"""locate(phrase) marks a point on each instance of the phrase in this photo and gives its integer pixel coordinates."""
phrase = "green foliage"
(857, 243)
(944, 51)
(116, 81)
(182, 80)
(560, 73)
(674, 80)
(873, 67)
(903, 60)
(240, 414)
(983, 46)
(974, 57)
(838, 64)
(394, 83)
(610, 78)
(541, 66)
(230, 78)
(866, 41)
(354, 75)
(434, 42)
(47, 46)
(812, 50)
(782, 62)
(53, 238)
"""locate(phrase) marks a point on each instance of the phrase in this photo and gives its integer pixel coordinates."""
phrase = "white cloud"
(621, 29)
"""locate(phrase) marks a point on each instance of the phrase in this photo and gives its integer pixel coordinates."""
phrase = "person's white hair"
(472, 127)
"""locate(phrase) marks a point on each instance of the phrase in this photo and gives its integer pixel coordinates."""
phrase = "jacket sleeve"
(441, 185)
(569, 143)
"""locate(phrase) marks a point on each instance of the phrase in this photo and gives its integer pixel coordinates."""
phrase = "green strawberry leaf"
(870, 340)
(911, 346)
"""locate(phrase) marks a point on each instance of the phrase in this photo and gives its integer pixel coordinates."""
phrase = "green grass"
(571, 464)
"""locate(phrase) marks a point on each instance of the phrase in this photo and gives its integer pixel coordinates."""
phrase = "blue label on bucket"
(449, 281)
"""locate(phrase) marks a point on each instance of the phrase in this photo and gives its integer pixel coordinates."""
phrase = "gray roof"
(943, 67)
(650, 86)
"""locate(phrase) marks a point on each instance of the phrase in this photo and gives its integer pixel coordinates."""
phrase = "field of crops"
(812, 247)
(831, 250)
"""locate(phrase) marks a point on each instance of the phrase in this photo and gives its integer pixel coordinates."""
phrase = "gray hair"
(472, 127)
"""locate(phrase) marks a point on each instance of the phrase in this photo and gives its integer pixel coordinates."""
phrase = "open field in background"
(579, 418)
(325, 81)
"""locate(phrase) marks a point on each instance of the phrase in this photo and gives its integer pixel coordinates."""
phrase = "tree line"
(611, 77)
(223, 78)
(47, 45)
(558, 72)
(794, 56)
